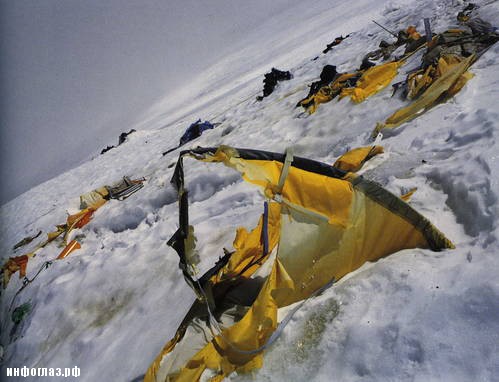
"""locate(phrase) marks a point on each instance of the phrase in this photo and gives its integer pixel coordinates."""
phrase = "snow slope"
(416, 315)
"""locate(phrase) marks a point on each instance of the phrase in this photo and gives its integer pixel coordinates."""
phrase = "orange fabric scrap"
(72, 246)
(13, 265)
(81, 218)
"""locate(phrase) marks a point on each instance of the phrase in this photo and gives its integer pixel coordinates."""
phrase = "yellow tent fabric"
(247, 257)
(372, 81)
(452, 76)
(94, 199)
(322, 228)
(327, 93)
(419, 81)
(243, 263)
(353, 160)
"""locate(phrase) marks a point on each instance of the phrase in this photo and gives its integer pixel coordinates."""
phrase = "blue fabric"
(195, 130)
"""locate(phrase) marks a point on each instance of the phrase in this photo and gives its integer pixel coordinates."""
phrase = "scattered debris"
(271, 80)
(121, 139)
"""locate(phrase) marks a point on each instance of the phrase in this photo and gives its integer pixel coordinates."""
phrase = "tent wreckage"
(89, 203)
(442, 73)
(319, 223)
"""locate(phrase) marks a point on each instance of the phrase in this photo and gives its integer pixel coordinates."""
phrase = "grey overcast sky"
(74, 74)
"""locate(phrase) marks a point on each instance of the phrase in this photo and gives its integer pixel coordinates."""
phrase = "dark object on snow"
(458, 43)
(477, 25)
(270, 81)
(336, 41)
(384, 52)
(427, 29)
(469, 7)
(467, 11)
(20, 312)
(18, 316)
(366, 64)
(409, 37)
(411, 46)
(195, 130)
(124, 188)
(123, 136)
(327, 76)
(121, 140)
(106, 149)
(26, 240)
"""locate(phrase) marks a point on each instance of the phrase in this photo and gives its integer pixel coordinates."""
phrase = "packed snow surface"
(416, 315)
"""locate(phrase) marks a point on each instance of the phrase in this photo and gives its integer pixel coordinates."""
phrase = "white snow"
(416, 315)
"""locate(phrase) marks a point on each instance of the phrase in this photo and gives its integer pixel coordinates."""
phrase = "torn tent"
(454, 76)
(373, 80)
(328, 92)
(319, 224)
(376, 78)
(89, 203)
(409, 37)
(20, 263)
(357, 85)
(353, 160)
(195, 130)
(457, 42)
(443, 73)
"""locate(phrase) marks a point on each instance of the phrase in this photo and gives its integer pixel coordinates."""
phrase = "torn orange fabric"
(80, 219)
(407, 196)
(72, 246)
(14, 264)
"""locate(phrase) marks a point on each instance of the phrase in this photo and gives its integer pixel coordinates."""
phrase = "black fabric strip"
(249, 154)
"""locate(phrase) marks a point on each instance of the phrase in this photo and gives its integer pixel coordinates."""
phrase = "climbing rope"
(27, 281)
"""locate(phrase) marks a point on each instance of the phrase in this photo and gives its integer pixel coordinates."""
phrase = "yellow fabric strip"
(448, 84)
(353, 160)
(372, 81)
